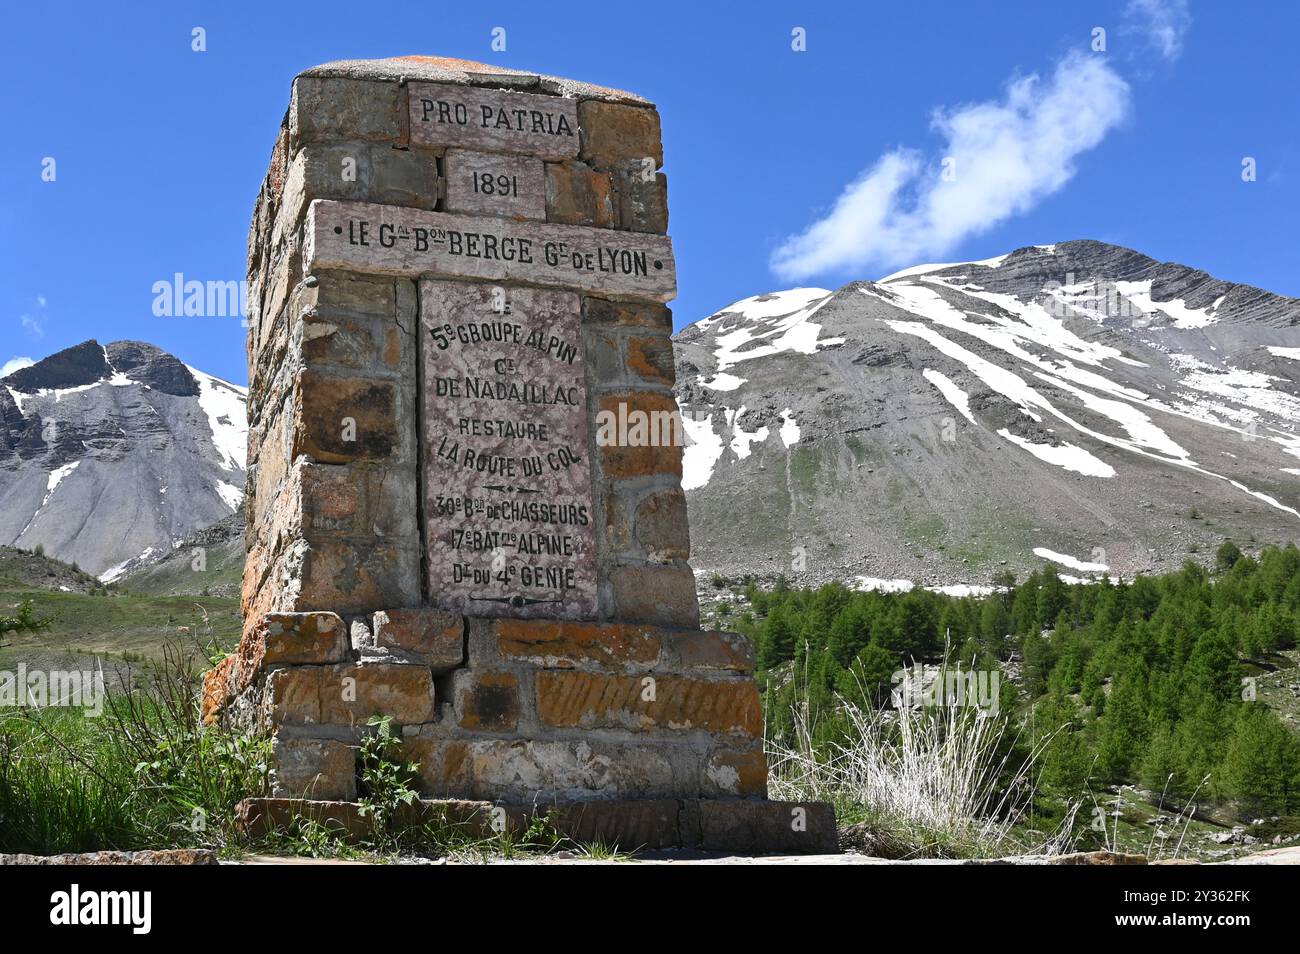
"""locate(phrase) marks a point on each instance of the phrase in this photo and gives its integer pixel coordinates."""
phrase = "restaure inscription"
(484, 182)
(394, 240)
(509, 519)
(541, 126)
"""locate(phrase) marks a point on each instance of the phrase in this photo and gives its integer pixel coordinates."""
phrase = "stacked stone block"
(343, 619)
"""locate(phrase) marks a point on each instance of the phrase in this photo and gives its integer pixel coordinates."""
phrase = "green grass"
(804, 467)
(122, 626)
(928, 530)
(176, 576)
(144, 773)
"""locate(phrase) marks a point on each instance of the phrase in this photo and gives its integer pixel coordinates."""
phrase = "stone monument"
(464, 505)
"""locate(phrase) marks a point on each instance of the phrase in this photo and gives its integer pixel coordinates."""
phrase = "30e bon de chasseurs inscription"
(509, 526)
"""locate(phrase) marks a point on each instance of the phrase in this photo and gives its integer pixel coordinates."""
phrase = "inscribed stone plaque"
(495, 185)
(493, 119)
(394, 240)
(509, 521)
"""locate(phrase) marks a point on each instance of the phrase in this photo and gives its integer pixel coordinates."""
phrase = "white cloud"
(40, 300)
(13, 364)
(1005, 156)
(1163, 22)
(32, 325)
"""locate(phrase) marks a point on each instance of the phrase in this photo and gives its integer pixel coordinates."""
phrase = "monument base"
(733, 825)
(627, 733)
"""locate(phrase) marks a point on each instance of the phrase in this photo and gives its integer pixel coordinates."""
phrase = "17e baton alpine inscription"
(393, 240)
(509, 526)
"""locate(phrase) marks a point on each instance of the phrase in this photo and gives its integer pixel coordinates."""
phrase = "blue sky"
(814, 167)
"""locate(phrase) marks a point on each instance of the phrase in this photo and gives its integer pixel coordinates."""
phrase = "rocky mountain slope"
(108, 453)
(1081, 404)
(207, 562)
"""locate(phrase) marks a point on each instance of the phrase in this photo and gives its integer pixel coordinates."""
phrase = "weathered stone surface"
(525, 770)
(350, 695)
(651, 359)
(352, 576)
(754, 826)
(662, 527)
(495, 120)
(169, 856)
(392, 240)
(1107, 858)
(624, 314)
(695, 649)
(335, 108)
(336, 292)
(639, 703)
(313, 768)
(436, 636)
(293, 693)
(639, 433)
(604, 355)
(655, 594)
(303, 638)
(356, 500)
(741, 772)
(480, 182)
(216, 690)
(733, 825)
(613, 133)
(509, 528)
(359, 171)
(344, 419)
(487, 701)
(576, 194)
(642, 199)
(618, 524)
(450, 69)
(561, 644)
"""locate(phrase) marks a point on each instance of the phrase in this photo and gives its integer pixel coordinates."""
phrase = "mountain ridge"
(949, 421)
(94, 437)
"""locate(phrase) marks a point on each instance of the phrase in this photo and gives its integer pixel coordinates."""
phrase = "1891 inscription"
(484, 182)
(507, 481)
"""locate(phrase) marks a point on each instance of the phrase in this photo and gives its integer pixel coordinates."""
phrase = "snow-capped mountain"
(108, 453)
(1078, 403)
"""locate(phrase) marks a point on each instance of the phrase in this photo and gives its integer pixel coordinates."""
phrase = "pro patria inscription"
(509, 527)
(496, 120)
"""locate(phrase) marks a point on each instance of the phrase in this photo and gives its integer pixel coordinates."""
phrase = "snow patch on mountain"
(1072, 562)
(1139, 293)
(768, 325)
(740, 438)
(703, 448)
(789, 428)
(1064, 455)
(951, 391)
(225, 405)
(724, 382)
